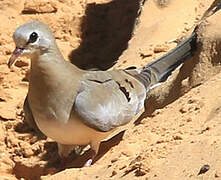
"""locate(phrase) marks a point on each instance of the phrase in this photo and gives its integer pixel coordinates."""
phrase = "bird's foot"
(90, 161)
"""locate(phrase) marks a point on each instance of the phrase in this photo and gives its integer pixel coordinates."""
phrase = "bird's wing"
(109, 99)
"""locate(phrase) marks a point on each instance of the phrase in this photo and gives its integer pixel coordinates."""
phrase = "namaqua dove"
(78, 107)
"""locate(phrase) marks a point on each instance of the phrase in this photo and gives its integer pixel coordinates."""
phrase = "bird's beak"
(16, 53)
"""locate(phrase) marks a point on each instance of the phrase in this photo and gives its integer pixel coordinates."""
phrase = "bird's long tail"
(162, 68)
(159, 70)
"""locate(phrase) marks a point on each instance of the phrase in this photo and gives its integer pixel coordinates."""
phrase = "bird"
(82, 107)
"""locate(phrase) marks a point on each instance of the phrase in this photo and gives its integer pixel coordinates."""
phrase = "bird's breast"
(71, 132)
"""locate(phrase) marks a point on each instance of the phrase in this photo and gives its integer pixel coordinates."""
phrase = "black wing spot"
(129, 82)
(100, 82)
(126, 93)
(131, 68)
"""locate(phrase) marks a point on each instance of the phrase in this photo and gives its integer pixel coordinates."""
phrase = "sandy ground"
(180, 130)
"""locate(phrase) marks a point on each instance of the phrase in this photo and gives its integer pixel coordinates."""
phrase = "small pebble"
(161, 48)
(204, 169)
(113, 173)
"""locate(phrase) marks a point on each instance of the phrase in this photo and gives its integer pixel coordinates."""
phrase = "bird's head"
(31, 39)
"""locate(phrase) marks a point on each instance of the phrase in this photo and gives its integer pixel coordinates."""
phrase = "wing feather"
(104, 106)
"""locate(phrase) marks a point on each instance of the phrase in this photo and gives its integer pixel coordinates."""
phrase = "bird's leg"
(63, 151)
(92, 156)
(93, 153)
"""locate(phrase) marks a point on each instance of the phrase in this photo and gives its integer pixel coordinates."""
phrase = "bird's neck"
(52, 64)
(50, 72)
(46, 58)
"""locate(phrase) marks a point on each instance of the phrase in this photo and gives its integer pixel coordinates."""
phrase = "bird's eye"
(33, 37)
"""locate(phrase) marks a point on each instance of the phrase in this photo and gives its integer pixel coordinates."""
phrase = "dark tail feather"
(159, 70)
(162, 68)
